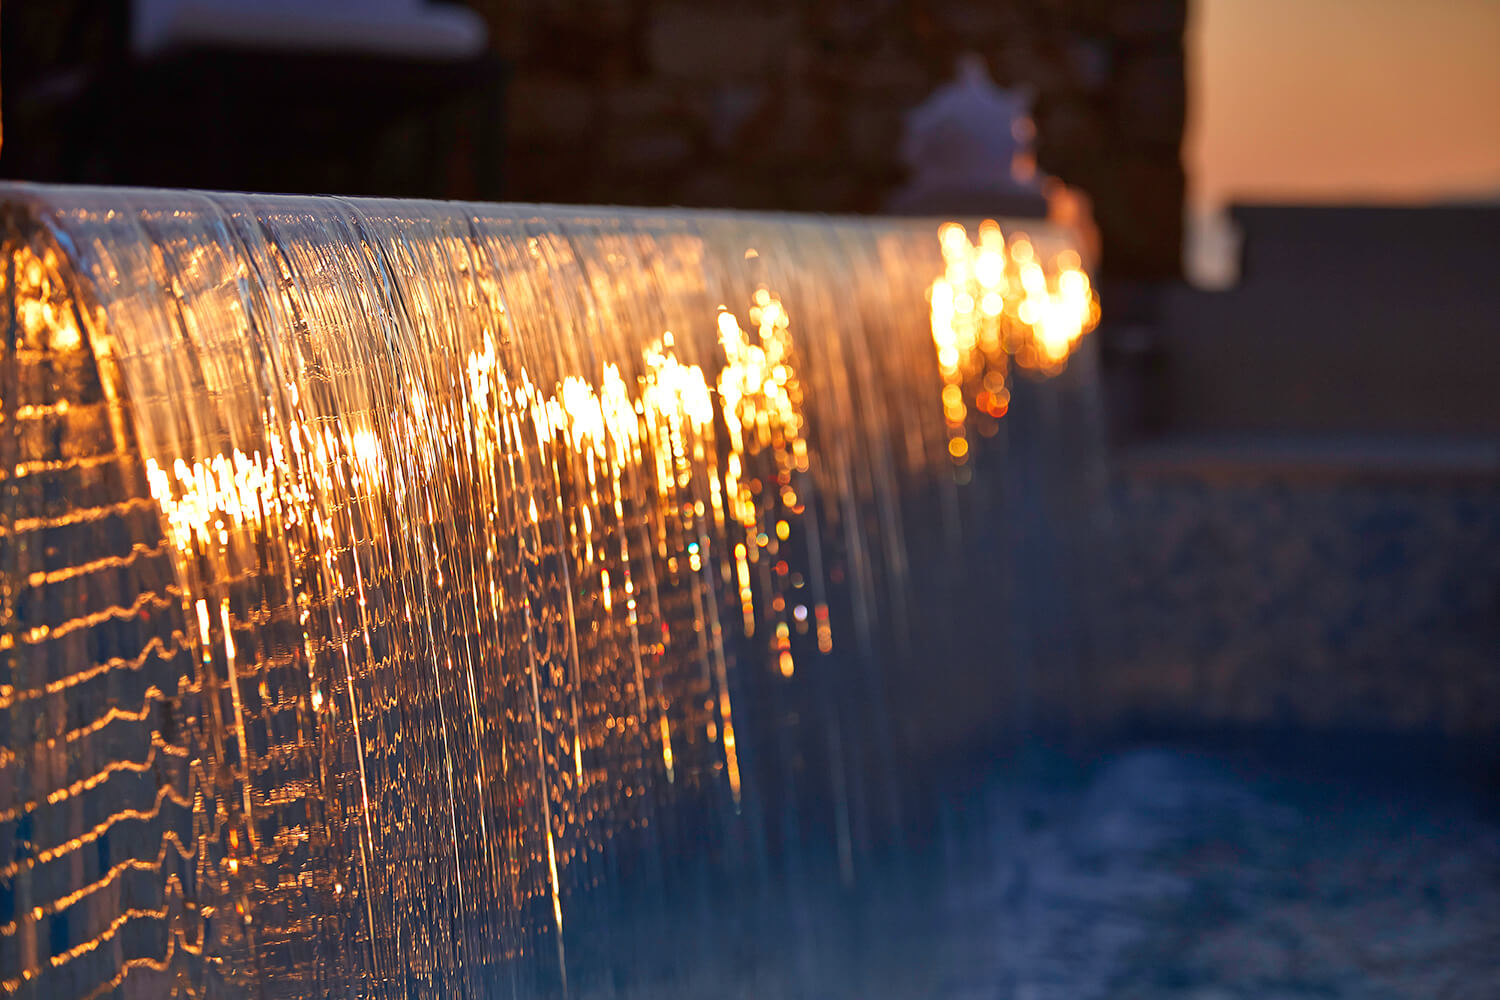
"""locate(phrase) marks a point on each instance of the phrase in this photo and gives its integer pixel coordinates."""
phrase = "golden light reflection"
(995, 302)
(406, 567)
(663, 435)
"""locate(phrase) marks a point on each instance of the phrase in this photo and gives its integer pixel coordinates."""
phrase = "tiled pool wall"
(1275, 597)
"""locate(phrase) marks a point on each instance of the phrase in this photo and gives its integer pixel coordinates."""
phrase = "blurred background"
(1296, 205)
(1298, 210)
(1201, 135)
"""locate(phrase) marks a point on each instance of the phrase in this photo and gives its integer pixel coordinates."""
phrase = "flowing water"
(454, 600)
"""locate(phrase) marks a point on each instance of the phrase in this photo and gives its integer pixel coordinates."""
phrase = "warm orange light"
(993, 303)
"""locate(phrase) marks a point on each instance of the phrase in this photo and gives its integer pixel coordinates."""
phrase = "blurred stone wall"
(799, 105)
(1305, 598)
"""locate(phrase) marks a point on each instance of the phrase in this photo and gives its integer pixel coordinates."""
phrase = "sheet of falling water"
(451, 600)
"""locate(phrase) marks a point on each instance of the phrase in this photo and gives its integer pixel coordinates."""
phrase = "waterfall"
(412, 598)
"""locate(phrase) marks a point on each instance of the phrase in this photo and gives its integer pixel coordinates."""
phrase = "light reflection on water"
(428, 599)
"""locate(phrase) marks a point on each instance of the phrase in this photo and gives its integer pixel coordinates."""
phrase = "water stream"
(419, 599)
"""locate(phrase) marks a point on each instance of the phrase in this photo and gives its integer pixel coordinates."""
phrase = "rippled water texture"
(454, 600)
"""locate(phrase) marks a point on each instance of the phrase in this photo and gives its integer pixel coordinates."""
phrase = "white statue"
(967, 146)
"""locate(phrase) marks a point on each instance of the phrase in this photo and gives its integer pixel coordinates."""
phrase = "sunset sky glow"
(1343, 100)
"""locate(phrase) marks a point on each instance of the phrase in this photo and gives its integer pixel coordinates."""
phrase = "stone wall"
(781, 105)
(1310, 598)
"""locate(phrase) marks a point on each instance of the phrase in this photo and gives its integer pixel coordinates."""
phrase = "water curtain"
(410, 598)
